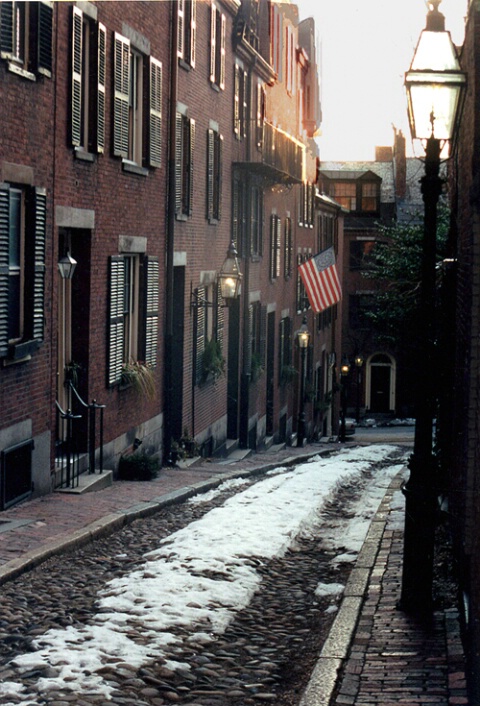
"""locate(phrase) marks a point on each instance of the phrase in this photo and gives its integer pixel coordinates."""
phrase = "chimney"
(383, 154)
(400, 155)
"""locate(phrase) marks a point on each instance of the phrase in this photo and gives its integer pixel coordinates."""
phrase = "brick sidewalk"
(388, 658)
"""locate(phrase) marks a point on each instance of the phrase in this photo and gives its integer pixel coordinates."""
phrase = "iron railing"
(71, 447)
(283, 152)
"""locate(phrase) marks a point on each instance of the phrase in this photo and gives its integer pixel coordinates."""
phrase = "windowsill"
(20, 71)
(133, 168)
(181, 217)
(21, 352)
(83, 156)
(184, 64)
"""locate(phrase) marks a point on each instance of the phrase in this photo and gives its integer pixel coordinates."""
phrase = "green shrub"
(138, 466)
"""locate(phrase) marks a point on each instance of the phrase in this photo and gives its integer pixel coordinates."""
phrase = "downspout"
(170, 238)
(246, 372)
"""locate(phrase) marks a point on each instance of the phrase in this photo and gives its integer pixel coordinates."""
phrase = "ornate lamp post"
(434, 86)
(303, 338)
(358, 366)
(230, 277)
(344, 373)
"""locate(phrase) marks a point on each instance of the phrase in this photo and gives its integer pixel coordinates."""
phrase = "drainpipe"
(170, 239)
(246, 372)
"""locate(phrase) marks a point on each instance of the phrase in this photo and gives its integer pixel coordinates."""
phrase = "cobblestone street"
(265, 655)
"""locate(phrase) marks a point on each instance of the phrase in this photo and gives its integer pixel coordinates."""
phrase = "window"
(187, 25)
(257, 326)
(22, 269)
(208, 325)
(288, 248)
(345, 193)
(290, 64)
(240, 108)
(257, 221)
(137, 124)
(275, 245)
(239, 199)
(307, 204)
(276, 39)
(361, 252)
(326, 225)
(26, 37)
(184, 149)
(133, 329)
(327, 317)
(218, 30)
(359, 306)
(88, 83)
(261, 111)
(369, 196)
(284, 350)
(214, 175)
(302, 297)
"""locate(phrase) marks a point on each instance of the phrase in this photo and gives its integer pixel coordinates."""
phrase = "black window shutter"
(116, 326)
(4, 239)
(179, 145)
(210, 172)
(151, 311)
(45, 32)
(101, 86)
(155, 124)
(76, 107)
(180, 28)
(121, 96)
(190, 166)
(199, 333)
(193, 32)
(39, 248)
(220, 317)
(218, 176)
(6, 28)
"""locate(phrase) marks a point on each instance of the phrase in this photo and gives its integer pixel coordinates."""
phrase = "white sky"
(367, 45)
(175, 585)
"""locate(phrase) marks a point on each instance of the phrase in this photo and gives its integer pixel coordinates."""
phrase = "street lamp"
(344, 373)
(358, 366)
(66, 266)
(230, 276)
(435, 85)
(303, 338)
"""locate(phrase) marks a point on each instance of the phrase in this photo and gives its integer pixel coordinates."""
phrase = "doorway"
(381, 388)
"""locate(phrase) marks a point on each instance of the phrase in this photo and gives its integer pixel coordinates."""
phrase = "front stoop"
(89, 483)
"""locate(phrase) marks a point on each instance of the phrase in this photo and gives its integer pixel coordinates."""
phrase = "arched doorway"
(380, 383)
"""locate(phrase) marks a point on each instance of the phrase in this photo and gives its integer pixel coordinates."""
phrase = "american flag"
(320, 277)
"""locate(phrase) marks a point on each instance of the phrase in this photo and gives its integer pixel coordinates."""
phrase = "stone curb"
(111, 523)
(323, 681)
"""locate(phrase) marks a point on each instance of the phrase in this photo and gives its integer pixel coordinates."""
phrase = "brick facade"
(160, 133)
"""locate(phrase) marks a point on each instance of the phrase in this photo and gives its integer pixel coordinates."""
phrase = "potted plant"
(140, 376)
(213, 362)
(138, 466)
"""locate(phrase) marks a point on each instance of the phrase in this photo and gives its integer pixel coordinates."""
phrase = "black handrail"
(70, 456)
(92, 429)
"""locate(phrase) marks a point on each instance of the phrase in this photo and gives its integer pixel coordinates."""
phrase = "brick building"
(462, 400)
(383, 191)
(139, 161)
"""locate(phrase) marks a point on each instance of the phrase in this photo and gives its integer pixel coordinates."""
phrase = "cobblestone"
(260, 658)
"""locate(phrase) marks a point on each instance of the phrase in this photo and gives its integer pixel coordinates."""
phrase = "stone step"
(89, 483)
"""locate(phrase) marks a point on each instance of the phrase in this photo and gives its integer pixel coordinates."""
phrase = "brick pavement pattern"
(395, 659)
